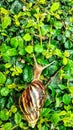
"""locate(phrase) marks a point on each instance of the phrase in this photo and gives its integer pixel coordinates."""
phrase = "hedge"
(43, 28)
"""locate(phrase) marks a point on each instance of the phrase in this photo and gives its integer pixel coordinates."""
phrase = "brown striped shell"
(31, 101)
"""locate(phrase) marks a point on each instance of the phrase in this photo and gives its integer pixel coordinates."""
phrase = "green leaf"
(57, 102)
(2, 78)
(66, 99)
(38, 48)
(47, 102)
(20, 41)
(15, 6)
(10, 0)
(7, 65)
(55, 118)
(17, 118)
(27, 37)
(62, 127)
(29, 49)
(2, 103)
(11, 52)
(6, 21)
(4, 115)
(13, 109)
(7, 126)
(44, 29)
(65, 60)
(10, 102)
(4, 11)
(44, 127)
(58, 24)
(55, 6)
(14, 42)
(45, 112)
(53, 90)
(22, 51)
(62, 87)
(5, 91)
(27, 73)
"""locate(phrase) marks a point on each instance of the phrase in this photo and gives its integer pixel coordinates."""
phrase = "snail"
(33, 97)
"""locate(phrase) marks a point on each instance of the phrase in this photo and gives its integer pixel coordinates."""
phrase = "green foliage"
(27, 73)
(2, 78)
(17, 118)
(43, 28)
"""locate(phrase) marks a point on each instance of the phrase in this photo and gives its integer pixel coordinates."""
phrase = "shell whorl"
(32, 100)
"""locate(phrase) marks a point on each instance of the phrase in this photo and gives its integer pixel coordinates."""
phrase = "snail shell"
(31, 101)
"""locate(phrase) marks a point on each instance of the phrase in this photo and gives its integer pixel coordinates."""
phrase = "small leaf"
(38, 48)
(7, 126)
(45, 112)
(55, 118)
(53, 90)
(11, 52)
(66, 99)
(44, 127)
(66, 54)
(29, 49)
(57, 102)
(58, 24)
(13, 109)
(5, 91)
(2, 78)
(44, 29)
(42, 1)
(55, 6)
(14, 42)
(2, 103)
(4, 11)
(20, 41)
(3, 115)
(7, 65)
(17, 118)
(10, 102)
(27, 74)
(6, 21)
(22, 51)
(62, 87)
(65, 60)
(27, 37)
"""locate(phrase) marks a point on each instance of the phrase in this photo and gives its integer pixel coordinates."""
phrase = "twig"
(54, 75)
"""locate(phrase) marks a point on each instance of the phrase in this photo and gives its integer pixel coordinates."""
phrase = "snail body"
(33, 97)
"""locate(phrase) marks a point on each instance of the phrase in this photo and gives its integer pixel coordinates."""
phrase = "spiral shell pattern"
(32, 100)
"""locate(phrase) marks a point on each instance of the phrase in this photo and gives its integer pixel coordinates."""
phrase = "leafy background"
(44, 28)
